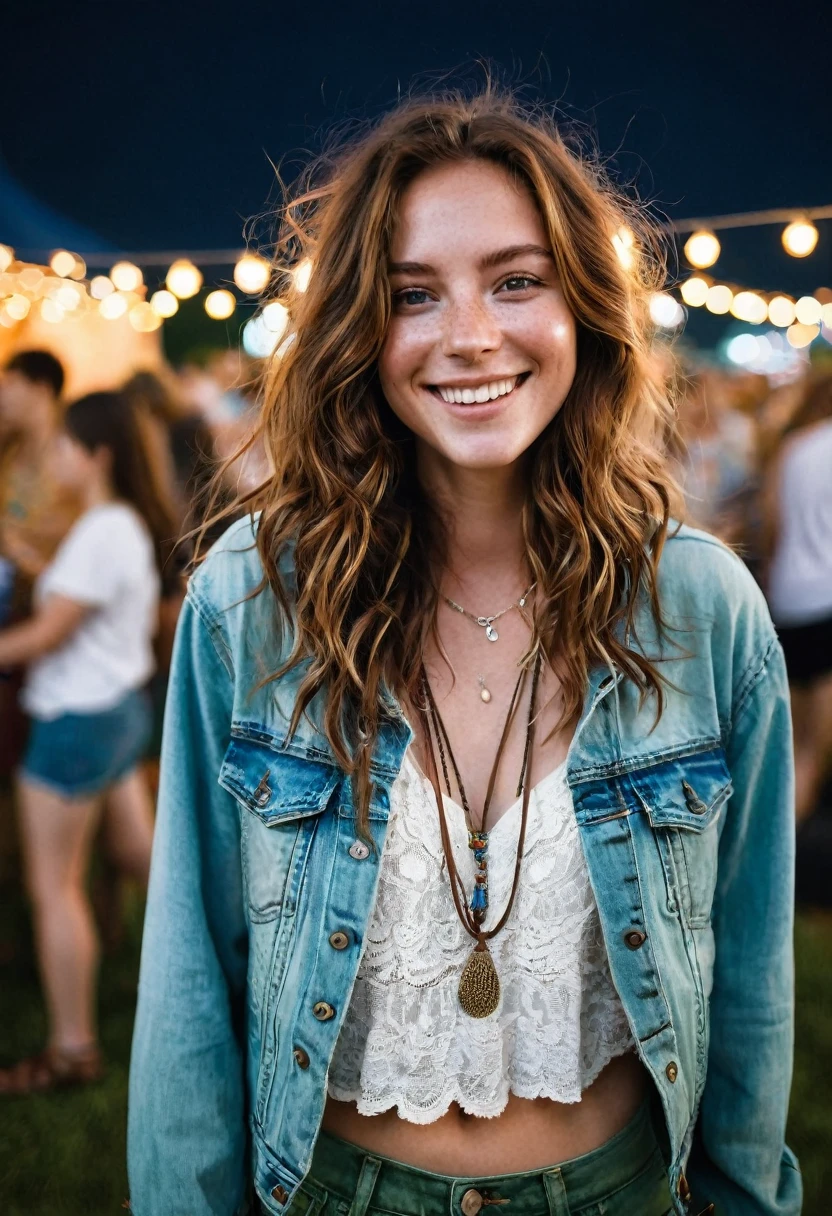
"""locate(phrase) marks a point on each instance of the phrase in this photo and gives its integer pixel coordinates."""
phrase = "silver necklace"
(487, 622)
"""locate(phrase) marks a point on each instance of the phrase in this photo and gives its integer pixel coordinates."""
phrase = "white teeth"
(485, 392)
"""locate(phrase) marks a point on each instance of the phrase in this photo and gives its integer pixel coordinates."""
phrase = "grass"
(63, 1154)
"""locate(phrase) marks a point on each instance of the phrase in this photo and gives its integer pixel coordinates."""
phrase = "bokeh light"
(17, 307)
(807, 310)
(144, 318)
(276, 317)
(30, 278)
(113, 306)
(51, 311)
(702, 249)
(6, 257)
(220, 305)
(252, 273)
(624, 244)
(781, 311)
(164, 303)
(802, 335)
(799, 238)
(62, 263)
(302, 274)
(126, 276)
(183, 279)
(748, 306)
(101, 286)
(719, 299)
(665, 311)
(695, 291)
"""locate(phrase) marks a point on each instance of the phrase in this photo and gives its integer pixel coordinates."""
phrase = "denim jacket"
(261, 892)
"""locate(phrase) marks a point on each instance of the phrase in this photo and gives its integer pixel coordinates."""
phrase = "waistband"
(344, 1169)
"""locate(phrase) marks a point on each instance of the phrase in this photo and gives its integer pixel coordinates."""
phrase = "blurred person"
(717, 461)
(364, 983)
(798, 540)
(88, 651)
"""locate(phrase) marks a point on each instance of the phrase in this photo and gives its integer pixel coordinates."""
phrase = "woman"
(89, 651)
(443, 630)
(798, 526)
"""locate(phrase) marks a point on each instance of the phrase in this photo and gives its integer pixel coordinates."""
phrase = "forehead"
(464, 209)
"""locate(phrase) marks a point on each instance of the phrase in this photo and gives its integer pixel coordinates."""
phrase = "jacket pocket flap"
(275, 785)
(685, 793)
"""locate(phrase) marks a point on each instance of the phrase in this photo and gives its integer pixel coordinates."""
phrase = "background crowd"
(98, 497)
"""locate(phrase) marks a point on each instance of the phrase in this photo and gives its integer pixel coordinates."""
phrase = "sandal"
(54, 1068)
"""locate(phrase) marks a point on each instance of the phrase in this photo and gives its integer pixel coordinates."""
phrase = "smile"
(470, 394)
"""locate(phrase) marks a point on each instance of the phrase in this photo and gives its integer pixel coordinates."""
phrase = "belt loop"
(370, 1167)
(555, 1190)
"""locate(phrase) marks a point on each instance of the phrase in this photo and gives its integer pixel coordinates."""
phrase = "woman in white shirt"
(89, 652)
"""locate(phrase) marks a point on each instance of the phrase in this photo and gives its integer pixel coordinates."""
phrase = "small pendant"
(491, 633)
(485, 695)
(479, 984)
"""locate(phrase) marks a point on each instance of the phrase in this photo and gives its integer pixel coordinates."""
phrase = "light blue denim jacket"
(688, 834)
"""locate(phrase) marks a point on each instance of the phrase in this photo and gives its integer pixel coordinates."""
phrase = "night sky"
(154, 124)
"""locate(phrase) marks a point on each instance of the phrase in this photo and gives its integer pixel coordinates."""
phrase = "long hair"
(343, 494)
(108, 420)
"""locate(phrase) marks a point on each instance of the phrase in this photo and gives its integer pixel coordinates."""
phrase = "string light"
(51, 311)
(164, 303)
(113, 306)
(702, 249)
(30, 278)
(126, 276)
(748, 306)
(6, 257)
(144, 318)
(799, 238)
(183, 279)
(624, 244)
(719, 299)
(252, 273)
(665, 312)
(220, 305)
(101, 286)
(302, 275)
(781, 311)
(695, 291)
(799, 335)
(17, 307)
(276, 318)
(79, 270)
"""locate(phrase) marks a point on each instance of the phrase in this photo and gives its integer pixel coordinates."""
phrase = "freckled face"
(480, 353)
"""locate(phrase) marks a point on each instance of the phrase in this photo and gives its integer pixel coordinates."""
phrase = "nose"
(470, 329)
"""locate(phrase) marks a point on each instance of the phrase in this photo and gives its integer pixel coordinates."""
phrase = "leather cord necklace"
(479, 985)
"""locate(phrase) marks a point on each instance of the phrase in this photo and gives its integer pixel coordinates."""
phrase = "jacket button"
(359, 850)
(339, 940)
(280, 1194)
(635, 938)
(471, 1203)
(301, 1057)
(323, 1011)
(672, 1072)
(684, 1189)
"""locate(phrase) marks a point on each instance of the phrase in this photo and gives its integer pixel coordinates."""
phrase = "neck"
(40, 430)
(483, 513)
(96, 493)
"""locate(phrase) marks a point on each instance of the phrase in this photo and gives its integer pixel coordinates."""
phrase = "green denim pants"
(624, 1177)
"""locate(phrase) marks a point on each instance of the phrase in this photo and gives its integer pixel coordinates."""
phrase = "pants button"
(471, 1202)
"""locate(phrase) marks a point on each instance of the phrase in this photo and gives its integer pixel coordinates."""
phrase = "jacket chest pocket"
(685, 801)
(281, 798)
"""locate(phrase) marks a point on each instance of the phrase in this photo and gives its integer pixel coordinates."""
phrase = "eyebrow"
(497, 258)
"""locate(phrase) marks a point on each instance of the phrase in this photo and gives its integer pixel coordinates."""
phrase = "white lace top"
(405, 1042)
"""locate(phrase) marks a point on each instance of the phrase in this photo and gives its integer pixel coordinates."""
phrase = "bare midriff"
(528, 1135)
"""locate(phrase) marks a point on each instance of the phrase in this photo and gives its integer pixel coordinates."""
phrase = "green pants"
(624, 1177)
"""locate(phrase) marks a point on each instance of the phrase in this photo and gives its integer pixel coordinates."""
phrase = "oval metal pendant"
(479, 985)
(491, 633)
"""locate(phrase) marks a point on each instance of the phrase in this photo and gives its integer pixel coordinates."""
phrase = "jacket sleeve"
(740, 1161)
(187, 1139)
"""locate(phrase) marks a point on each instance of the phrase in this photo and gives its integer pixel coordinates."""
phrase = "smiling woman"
(472, 876)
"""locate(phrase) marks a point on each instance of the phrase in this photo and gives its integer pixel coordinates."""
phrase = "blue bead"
(479, 899)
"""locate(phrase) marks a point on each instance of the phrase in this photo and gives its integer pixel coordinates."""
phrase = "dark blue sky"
(154, 123)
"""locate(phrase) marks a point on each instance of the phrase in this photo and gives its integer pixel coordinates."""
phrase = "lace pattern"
(405, 1042)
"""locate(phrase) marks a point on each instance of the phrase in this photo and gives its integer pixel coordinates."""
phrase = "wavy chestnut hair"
(343, 494)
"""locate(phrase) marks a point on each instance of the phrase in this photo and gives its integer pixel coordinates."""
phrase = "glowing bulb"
(258, 339)
(302, 274)
(743, 349)
(276, 317)
(781, 311)
(6, 257)
(144, 318)
(665, 311)
(113, 306)
(624, 244)
(719, 299)
(126, 276)
(79, 270)
(17, 307)
(30, 278)
(51, 311)
(799, 238)
(748, 306)
(252, 273)
(802, 335)
(220, 305)
(68, 296)
(164, 303)
(702, 249)
(694, 291)
(183, 279)
(101, 286)
(808, 310)
(62, 263)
